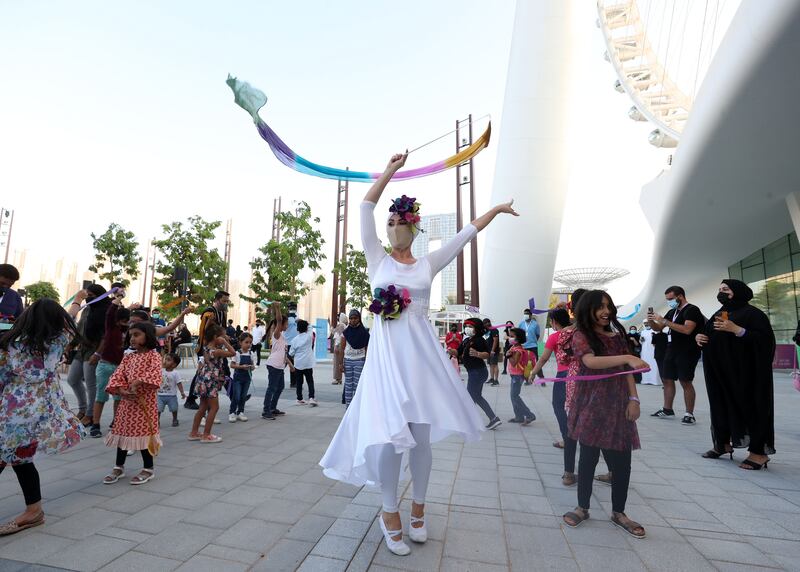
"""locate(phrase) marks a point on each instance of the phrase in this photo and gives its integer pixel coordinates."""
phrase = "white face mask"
(400, 236)
(526, 317)
(469, 331)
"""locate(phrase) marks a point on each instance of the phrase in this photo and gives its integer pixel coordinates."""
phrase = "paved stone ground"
(258, 501)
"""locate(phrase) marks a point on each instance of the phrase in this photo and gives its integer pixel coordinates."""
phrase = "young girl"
(355, 341)
(136, 380)
(210, 379)
(242, 365)
(559, 318)
(34, 416)
(517, 360)
(302, 355)
(603, 413)
(276, 363)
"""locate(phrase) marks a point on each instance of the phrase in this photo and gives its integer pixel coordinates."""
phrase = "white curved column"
(532, 161)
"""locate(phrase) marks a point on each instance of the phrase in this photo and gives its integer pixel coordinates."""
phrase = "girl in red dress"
(603, 414)
(136, 380)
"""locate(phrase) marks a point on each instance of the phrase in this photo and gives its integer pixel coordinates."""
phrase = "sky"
(119, 112)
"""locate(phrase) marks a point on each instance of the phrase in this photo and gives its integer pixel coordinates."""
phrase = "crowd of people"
(401, 390)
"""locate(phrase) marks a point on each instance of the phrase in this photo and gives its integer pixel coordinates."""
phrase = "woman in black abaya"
(738, 348)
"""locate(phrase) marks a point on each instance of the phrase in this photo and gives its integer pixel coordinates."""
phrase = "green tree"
(353, 279)
(276, 272)
(115, 255)
(187, 246)
(39, 290)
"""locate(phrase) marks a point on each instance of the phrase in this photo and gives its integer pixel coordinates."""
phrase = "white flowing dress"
(407, 377)
(649, 355)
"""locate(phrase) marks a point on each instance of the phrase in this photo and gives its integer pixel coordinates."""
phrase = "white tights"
(420, 460)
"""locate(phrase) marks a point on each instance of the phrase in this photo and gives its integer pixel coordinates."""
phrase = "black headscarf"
(742, 294)
(357, 337)
(96, 318)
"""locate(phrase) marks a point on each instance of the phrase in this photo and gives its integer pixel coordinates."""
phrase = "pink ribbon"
(596, 377)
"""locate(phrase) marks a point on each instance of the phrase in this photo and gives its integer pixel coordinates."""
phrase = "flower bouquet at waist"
(389, 302)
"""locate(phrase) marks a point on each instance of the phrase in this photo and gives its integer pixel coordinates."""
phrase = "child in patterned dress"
(34, 416)
(136, 380)
(210, 379)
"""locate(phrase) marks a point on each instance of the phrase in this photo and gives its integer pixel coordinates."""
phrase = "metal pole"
(144, 278)
(474, 293)
(152, 275)
(459, 224)
(8, 239)
(343, 295)
(335, 285)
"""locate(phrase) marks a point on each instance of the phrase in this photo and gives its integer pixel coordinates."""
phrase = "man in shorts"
(681, 323)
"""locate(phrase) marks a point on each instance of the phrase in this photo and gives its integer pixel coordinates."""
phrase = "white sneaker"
(313, 402)
(217, 421)
(130, 453)
(242, 417)
(203, 422)
(300, 402)
(395, 546)
(232, 418)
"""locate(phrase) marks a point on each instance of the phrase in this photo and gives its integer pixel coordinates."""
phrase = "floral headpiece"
(390, 302)
(408, 209)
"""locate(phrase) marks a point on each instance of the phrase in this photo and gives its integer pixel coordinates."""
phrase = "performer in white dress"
(408, 395)
(649, 355)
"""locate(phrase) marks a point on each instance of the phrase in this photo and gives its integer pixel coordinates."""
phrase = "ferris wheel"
(661, 50)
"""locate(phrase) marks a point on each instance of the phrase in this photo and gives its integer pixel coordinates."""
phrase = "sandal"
(576, 518)
(144, 476)
(631, 527)
(712, 454)
(14, 527)
(749, 465)
(569, 479)
(558, 444)
(605, 479)
(211, 439)
(116, 474)
(195, 437)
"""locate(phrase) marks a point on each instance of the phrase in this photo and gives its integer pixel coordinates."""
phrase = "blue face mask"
(673, 303)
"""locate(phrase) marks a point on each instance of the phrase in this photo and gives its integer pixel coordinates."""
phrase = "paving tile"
(340, 547)
(350, 528)
(330, 505)
(310, 527)
(193, 498)
(360, 512)
(70, 504)
(217, 514)
(474, 522)
(90, 553)
(459, 565)
(315, 563)
(525, 503)
(153, 519)
(306, 492)
(423, 557)
(199, 563)
(234, 554)
(179, 542)
(252, 534)
(85, 523)
(477, 546)
(524, 562)
(595, 558)
(124, 534)
(742, 553)
(285, 556)
(140, 562)
(280, 510)
(34, 546)
(475, 501)
(536, 540)
(476, 488)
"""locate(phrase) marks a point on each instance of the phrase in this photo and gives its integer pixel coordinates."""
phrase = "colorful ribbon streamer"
(636, 309)
(69, 300)
(87, 304)
(597, 377)
(534, 310)
(173, 303)
(251, 100)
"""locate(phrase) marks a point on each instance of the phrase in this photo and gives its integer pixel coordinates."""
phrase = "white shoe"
(242, 417)
(395, 546)
(217, 421)
(232, 418)
(130, 453)
(417, 534)
(300, 402)
(312, 402)
(203, 422)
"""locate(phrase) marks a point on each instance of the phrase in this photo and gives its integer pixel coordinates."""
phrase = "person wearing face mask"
(738, 348)
(10, 301)
(409, 395)
(473, 353)
(532, 333)
(683, 321)
(648, 354)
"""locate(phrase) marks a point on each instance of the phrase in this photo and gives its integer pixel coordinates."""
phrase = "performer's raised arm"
(376, 190)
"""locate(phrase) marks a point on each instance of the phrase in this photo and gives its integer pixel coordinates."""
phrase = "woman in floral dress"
(603, 414)
(34, 415)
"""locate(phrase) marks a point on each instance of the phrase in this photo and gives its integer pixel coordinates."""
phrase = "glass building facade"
(773, 272)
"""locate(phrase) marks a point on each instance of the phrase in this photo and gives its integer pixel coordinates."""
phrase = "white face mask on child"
(469, 331)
